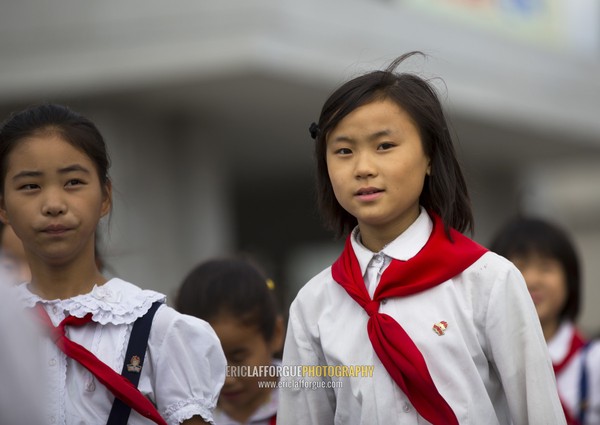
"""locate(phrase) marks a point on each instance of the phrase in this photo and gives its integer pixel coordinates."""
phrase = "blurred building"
(206, 104)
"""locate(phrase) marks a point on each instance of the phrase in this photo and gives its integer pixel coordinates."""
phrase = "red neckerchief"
(577, 343)
(438, 261)
(120, 386)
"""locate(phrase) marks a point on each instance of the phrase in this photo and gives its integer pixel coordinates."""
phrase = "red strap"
(439, 260)
(117, 384)
(273, 420)
(577, 343)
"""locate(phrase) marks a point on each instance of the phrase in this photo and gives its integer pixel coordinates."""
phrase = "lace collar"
(116, 302)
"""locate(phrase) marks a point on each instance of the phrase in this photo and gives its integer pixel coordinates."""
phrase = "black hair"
(231, 286)
(444, 191)
(523, 236)
(50, 118)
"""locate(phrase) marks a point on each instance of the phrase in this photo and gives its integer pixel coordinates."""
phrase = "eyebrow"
(374, 136)
(65, 170)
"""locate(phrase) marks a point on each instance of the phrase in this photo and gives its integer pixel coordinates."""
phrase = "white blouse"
(183, 371)
(568, 380)
(491, 364)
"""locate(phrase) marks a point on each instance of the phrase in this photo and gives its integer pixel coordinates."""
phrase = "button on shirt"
(491, 363)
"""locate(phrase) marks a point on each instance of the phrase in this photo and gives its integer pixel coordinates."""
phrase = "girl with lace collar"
(54, 189)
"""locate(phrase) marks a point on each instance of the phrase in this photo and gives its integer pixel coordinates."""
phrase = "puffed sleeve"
(518, 351)
(188, 366)
(297, 404)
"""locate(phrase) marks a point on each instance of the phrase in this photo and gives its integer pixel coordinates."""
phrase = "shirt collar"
(560, 343)
(403, 248)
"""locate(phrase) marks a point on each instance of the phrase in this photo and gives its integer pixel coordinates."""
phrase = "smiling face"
(547, 283)
(53, 199)
(377, 169)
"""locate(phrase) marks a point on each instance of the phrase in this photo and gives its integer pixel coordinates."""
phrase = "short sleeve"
(518, 350)
(188, 366)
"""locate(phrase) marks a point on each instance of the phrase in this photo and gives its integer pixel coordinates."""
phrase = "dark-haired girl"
(546, 256)
(235, 297)
(54, 189)
(448, 326)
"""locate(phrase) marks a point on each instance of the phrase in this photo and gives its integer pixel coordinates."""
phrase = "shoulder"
(169, 324)
(316, 292)
(491, 267)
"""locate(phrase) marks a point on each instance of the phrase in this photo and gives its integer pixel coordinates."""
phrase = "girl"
(448, 328)
(237, 300)
(547, 259)
(54, 190)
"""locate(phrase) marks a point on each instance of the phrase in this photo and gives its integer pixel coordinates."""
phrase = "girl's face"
(377, 168)
(244, 345)
(53, 199)
(547, 284)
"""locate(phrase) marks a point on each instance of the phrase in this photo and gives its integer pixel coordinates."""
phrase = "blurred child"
(448, 327)
(237, 300)
(110, 346)
(547, 258)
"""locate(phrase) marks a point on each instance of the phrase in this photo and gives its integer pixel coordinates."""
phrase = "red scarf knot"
(372, 308)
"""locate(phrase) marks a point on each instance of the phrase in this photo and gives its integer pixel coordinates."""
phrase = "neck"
(549, 328)
(66, 281)
(243, 413)
(375, 238)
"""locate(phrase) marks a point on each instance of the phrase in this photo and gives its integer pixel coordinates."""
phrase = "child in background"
(547, 258)
(54, 189)
(238, 302)
(448, 326)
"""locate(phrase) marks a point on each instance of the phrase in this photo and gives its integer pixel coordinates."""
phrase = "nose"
(531, 276)
(54, 204)
(365, 166)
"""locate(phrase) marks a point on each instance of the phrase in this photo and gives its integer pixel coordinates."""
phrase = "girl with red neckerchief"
(112, 352)
(547, 258)
(447, 327)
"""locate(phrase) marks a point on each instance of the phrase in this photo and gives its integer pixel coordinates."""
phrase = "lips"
(368, 191)
(55, 229)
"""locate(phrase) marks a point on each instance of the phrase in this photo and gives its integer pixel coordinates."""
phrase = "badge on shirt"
(134, 365)
(440, 327)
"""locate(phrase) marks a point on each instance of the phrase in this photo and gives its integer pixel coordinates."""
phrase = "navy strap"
(134, 360)
(583, 385)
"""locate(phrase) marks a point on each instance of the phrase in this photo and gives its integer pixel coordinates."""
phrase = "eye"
(29, 187)
(74, 182)
(385, 146)
(343, 151)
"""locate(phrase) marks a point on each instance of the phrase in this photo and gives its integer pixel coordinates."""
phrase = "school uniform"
(579, 378)
(183, 371)
(478, 333)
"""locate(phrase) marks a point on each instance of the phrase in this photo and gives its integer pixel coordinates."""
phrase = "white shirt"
(568, 380)
(183, 371)
(491, 365)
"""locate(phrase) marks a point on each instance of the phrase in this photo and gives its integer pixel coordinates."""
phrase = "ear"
(106, 199)
(3, 215)
(428, 171)
(276, 344)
